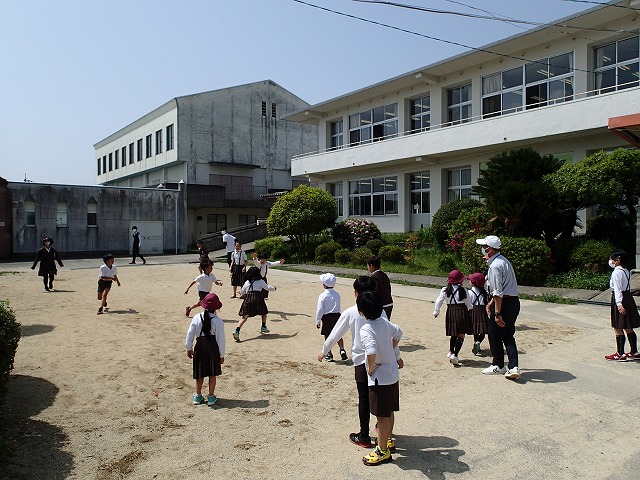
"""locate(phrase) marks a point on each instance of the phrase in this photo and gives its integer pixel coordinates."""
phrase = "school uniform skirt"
(206, 357)
(237, 276)
(479, 320)
(458, 320)
(631, 319)
(253, 304)
(329, 321)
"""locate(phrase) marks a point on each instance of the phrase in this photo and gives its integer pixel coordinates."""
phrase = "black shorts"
(202, 294)
(384, 399)
(104, 285)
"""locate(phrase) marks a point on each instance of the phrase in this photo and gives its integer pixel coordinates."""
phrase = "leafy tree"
(446, 215)
(301, 213)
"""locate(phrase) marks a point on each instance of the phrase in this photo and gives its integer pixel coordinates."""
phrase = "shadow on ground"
(435, 457)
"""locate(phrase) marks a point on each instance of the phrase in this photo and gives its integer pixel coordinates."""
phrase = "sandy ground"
(109, 396)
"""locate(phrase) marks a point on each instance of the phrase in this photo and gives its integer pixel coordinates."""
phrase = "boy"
(328, 312)
(203, 254)
(108, 273)
(205, 282)
(380, 340)
(383, 285)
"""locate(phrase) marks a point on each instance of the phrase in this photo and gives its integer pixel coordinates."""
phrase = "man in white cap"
(503, 309)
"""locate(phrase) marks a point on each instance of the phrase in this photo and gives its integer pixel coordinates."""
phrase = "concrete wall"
(5, 220)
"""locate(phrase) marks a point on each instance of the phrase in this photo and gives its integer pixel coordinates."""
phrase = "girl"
(238, 268)
(208, 355)
(47, 256)
(624, 313)
(253, 303)
(479, 318)
(457, 320)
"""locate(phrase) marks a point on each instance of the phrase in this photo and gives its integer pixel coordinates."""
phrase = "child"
(108, 273)
(479, 317)
(383, 285)
(380, 339)
(253, 303)
(205, 282)
(208, 355)
(457, 320)
(328, 312)
(260, 261)
(203, 254)
(229, 242)
(624, 313)
(47, 256)
(238, 268)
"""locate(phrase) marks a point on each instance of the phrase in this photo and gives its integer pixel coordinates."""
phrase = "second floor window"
(459, 104)
(420, 111)
(458, 183)
(374, 124)
(158, 142)
(337, 134)
(170, 137)
(124, 156)
(148, 145)
(616, 65)
(139, 145)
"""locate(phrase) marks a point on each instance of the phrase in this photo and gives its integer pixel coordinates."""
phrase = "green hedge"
(9, 338)
(327, 252)
(392, 254)
(273, 247)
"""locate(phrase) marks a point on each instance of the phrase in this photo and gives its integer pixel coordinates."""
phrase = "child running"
(479, 317)
(205, 282)
(260, 261)
(457, 320)
(108, 273)
(624, 313)
(208, 355)
(328, 312)
(238, 268)
(203, 254)
(253, 303)
(380, 339)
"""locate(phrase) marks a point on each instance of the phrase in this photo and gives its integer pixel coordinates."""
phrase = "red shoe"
(360, 439)
(632, 356)
(187, 310)
(616, 357)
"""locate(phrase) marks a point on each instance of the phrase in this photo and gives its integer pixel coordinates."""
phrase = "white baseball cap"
(328, 279)
(490, 241)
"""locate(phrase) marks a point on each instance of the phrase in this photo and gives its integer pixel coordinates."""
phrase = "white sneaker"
(453, 359)
(512, 373)
(494, 370)
(449, 354)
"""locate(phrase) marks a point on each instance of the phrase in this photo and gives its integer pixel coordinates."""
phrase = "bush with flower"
(355, 232)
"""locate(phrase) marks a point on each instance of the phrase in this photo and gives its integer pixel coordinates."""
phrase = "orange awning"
(628, 127)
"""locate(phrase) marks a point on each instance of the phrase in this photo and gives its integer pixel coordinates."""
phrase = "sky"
(74, 72)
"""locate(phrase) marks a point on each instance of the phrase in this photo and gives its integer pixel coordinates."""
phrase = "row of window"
(543, 82)
(133, 152)
(61, 214)
(378, 196)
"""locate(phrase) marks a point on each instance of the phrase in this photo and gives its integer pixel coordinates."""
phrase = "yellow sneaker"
(391, 445)
(377, 457)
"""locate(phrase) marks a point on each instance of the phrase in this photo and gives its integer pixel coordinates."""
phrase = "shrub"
(342, 255)
(9, 338)
(446, 263)
(426, 238)
(392, 254)
(470, 224)
(446, 215)
(472, 257)
(327, 252)
(355, 232)
(590, 252)
(531, 259)
(360, 255)
(273, 247)
(375, 245)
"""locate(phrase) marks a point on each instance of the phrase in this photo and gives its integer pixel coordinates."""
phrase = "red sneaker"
(616, 357)
(632, 356)
(186, 311)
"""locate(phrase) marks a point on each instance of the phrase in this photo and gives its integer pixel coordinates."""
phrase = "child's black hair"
(462, 293)
(374, 262)
(108, 256)
(622, 255)
(253, 274)
(205, 264)
(363, 284)
(369, 305)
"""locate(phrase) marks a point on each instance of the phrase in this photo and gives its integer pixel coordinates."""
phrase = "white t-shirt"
(107, 272)
(205, 282)
(377, 339)
(256, 286)
(238, 258)
(217, 328)
(229, 241)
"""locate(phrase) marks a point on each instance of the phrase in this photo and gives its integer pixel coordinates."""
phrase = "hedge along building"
(395, 151)
(228, 146)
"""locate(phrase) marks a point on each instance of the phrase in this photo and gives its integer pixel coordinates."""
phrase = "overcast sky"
(74, 72)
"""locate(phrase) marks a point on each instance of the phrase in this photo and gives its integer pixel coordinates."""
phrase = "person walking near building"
(47, 256)
(229, 244)
(503, 309)
(136, 246)
(383, 285)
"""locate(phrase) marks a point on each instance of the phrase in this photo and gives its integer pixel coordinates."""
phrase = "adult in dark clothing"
(47, 256)
(383, 285)
(136, 246)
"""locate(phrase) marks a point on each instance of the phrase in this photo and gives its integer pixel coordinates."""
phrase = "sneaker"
(264, 329)
(343, 354)
(616, 357)
(47, 288)
(449, 354)
(494, 370)
(632, 356)
(144, 262)
(512, 373)
(476, 348)
(236, 335)
(377, 457)
(329, 357)
(187, 310)
(211, 400)
(453, 359)
(360, 439)
(391, 445)
(99, 311)
(198, 399)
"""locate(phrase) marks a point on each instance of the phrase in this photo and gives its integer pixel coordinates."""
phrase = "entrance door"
(151, 237)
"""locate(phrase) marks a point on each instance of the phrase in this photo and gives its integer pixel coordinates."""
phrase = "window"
(158, 142)
(264, 109)
(420, 111)
(374, 124)
(273, 110)
(124, 157)
(246, 219)
(117, 159)
(170, 137)
(617, 65)
(545, 81)
(104, 164)
(92, 213)
(458, 183)
(61, 214)
(373, 196)
(335, 190)
(30, 213)
(337, 135)
(148, 145)
(99, 166)
(215, 222)
(139, 145)
(459, 104)
(420, 193)
(110, 161)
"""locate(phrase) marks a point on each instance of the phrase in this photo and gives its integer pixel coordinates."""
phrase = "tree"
(303, 212)
(611, 180)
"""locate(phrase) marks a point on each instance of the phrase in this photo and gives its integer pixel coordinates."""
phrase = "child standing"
(457, 320)
(624, 313)
(47, 256)
(108, 273)
(208, 355)
(260, 261)
(253, 303)
(205, 282)
(328, 312)
(238, 268)
(380, 339)
(479, 317)
(203, 254)
(383, 284)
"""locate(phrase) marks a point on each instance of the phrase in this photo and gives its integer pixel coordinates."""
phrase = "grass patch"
(549, 297)
(9, 273)
(579, 279)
